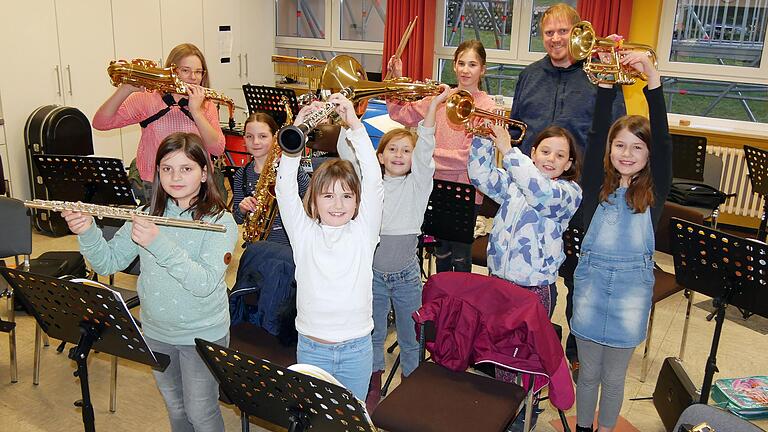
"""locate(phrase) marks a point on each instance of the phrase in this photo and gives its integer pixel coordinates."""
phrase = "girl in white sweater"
(334, 235)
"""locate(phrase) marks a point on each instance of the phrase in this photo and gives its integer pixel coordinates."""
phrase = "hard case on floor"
(674, 392)
(54, 130)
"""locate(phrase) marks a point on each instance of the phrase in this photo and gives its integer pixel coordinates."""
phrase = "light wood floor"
(49, 406)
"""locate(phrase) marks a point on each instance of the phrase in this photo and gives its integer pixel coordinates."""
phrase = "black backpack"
(694, 194)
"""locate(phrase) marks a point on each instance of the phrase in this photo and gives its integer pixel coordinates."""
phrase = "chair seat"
(461, 401)
(254, 340)
(664, 286)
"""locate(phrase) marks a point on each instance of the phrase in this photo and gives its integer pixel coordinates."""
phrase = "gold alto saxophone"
(146, 73)
(258, 223)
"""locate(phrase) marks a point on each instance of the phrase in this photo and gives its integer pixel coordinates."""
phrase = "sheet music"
(383, 123)
(98, 284)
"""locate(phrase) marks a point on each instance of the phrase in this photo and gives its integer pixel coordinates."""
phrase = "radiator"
(735, 179)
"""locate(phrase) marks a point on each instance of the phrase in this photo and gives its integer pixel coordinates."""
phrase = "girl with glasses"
(159, 115)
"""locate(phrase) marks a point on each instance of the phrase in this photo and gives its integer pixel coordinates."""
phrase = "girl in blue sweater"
(538, 197)
(181, 286)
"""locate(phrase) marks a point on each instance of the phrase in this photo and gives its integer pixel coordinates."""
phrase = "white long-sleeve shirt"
(334, 264)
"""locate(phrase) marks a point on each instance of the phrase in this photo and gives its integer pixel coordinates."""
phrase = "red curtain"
(418, 54)
(607, 16)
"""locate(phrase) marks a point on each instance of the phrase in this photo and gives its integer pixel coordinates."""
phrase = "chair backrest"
(663, 230)
(17, 227)
(572, 247)
(688, 157)
(713, 170)
(718, 419)
(488, 208)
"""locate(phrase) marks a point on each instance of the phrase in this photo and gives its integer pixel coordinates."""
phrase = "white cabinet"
(85, 54)
(251, 29)
(51, 57)
(182, 22)
(150, 29)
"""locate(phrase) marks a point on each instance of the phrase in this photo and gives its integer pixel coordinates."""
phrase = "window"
(509, 30)
(719, 40)
(713, 58)
(719, 99)
(355, 25)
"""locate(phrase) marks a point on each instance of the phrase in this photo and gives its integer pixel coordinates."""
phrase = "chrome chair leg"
(528, 409)
(113, 385)
(646, 349)
(684, 339)
(12, 340)
(38, 349)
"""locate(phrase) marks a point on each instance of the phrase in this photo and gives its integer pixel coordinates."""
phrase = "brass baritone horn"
(344, 71)
(461, 110)
(102, 211)
(146, 73)
(584, 44)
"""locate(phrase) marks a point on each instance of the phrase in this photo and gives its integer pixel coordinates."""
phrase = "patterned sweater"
(525, 245)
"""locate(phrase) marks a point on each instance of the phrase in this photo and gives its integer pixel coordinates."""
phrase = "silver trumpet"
(292, 139)
(101, 211)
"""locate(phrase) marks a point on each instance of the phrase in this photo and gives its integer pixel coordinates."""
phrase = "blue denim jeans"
(190, 391)
(403, 290)
(349, 361)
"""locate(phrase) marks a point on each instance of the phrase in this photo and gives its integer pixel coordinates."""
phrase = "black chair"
(435, 398)
(665, 284)
(17, 243)
(488, 209)
(717, 419)
(53, 263)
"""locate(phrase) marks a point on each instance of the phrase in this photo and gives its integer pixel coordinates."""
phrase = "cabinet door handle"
(240, 65)
(69, 77)
(246, 65)
(58, 79)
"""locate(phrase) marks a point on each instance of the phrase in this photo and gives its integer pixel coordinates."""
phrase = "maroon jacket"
(486, 319)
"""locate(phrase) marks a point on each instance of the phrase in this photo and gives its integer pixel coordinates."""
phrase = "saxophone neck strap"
(169, 101)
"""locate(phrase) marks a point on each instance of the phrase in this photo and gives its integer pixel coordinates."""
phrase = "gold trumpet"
(102, 211)
(584, 44)
(146, 73)
(461, 110)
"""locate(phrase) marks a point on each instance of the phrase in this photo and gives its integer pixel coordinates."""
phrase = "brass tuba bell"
(461, 110)
(584, 44)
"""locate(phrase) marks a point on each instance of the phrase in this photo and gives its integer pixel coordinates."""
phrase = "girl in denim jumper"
(627, 175)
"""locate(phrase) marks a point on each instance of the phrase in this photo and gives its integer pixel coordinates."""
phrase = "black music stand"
(732, 270)
(688, 157)
(450, 213)
(757, 164)
(281, 396)
(269, 100)
(93, 180)
(88, 316)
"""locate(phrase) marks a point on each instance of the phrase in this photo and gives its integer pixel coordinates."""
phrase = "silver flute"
(101, 211)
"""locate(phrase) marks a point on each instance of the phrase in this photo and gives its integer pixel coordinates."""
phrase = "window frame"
(518, 53)
(332, 40)
(758, 75)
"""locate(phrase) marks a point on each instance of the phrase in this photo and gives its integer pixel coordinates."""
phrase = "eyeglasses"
(187, 71)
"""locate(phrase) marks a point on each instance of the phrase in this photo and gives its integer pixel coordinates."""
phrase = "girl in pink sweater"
(452, 141)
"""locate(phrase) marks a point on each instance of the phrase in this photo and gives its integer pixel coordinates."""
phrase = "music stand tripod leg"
(79, 353)
(711, 368)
